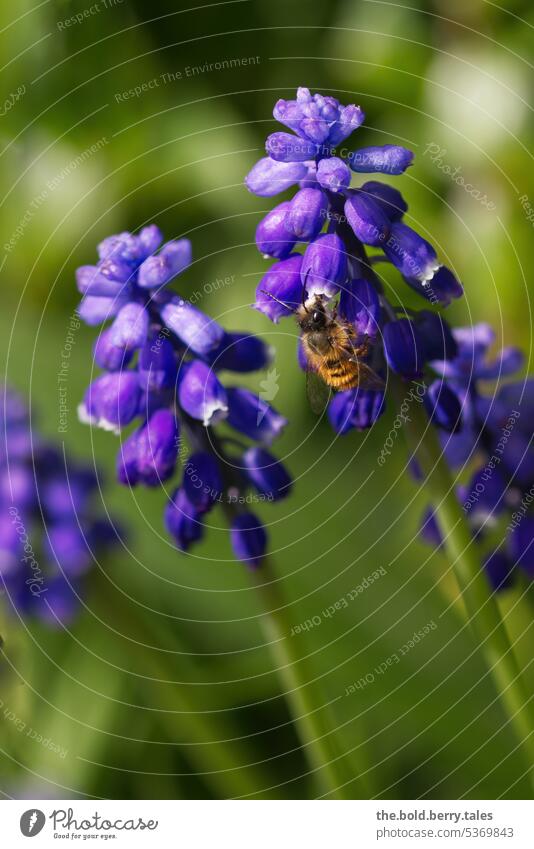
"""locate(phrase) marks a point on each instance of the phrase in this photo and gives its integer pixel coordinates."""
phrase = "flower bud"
(109, 356)
(386, 159)
(359, 304)
(160, 269)
(194, 328)
(241, 352)
(324, 265)
(202, 480)
(182, 521)
(157, 366)
(253, 416)
(130, 328)
(249, 539)
(273, 237)
(355, 408)
(367, 219)
(389, 199)
(442, 406)
(410, 253)
(283, 281)
(283, 147)
(404, 348)
(201, 395)
(111, 401)
(269, 475)
(333, 174)
(268, 177)
(307, 213)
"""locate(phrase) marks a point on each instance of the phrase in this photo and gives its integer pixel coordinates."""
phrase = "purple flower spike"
(283, 147)
(318, 118)
(367, 218)
(183, 521)
(249, 539)
(130, 328)
(10, 546)
(268, 177)
(359, 304)
(196, 330)
(269, 475)
(324, 266)
(442, 406)
(111, 401)
(108, 355)
(283, 281)
(60, 605)
(202, 481)
(201, 395)
(404, 348)
(355, 409)
(159, 270)
(389, 199)
(411, 254)
(387, 159)
(333, 174)
(253, 416)
(67, 547)
(307, 214)
(273, 237)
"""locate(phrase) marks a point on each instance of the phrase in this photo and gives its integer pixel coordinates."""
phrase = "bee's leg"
(363, 348)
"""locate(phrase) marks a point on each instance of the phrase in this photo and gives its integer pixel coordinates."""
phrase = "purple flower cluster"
(496, 439)
(162, 360)
(49, 528)
(336, 223)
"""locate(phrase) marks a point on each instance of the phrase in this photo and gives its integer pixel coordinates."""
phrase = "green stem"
(324, 763)
(480, 604)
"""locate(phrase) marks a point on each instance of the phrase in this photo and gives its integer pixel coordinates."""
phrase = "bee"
(334, 357)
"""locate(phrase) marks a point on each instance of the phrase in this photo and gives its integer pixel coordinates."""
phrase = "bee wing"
(317, 391)
(368, 379)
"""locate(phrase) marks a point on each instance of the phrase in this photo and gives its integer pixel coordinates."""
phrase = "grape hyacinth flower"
(495, 445)
(336, 223)
(162, 359)
(333, 288)
(49, 526)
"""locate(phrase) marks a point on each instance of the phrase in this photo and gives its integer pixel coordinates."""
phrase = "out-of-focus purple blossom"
(48, 520)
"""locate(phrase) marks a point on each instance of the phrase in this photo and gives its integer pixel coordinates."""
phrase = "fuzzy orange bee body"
(333, 356)
(329, 346)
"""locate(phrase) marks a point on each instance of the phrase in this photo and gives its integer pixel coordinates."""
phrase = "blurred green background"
(166, 638)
